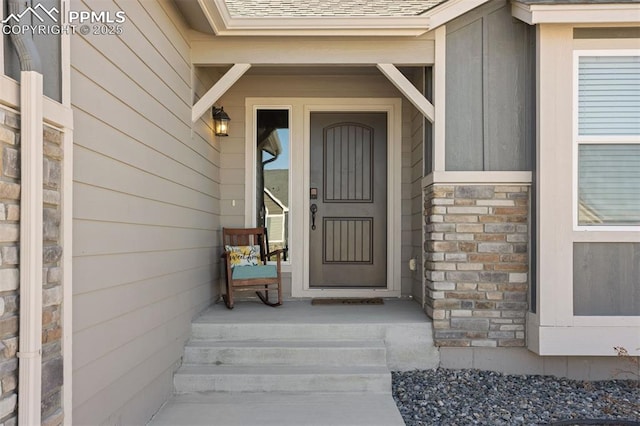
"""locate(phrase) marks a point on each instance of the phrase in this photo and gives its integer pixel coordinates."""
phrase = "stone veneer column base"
(477, 263)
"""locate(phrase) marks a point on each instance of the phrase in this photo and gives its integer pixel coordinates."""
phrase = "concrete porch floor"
(301, 311)
(396, 322)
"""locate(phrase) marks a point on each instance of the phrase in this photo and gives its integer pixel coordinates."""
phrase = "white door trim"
(300, 130)
(393, 108)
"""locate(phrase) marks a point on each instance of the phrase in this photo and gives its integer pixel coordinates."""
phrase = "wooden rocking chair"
(245, 257)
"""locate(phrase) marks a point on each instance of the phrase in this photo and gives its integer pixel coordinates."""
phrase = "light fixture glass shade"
(220, 121)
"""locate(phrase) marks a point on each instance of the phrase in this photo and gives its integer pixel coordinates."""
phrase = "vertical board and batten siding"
(232, 164)
(490, 91)
(605, 279)
(146, 212)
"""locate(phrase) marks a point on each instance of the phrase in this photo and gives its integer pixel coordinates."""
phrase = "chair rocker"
(245, 257)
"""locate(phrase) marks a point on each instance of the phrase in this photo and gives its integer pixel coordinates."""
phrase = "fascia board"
(408, 26)
(332, 32)
(213, 15)
(577, 13)
(522, 12)
(451, 9)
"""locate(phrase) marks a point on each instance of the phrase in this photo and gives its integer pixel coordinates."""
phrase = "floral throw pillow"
(243, 255)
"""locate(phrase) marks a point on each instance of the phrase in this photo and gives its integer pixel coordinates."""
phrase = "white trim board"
(478, 178)
(576, 13)
(320, 51)
(301, 109)
(54, 113)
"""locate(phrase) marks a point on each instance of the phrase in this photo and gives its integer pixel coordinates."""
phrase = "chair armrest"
(224, 254)
(277, 252)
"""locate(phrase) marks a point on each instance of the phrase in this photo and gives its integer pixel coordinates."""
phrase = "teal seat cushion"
(258, 271)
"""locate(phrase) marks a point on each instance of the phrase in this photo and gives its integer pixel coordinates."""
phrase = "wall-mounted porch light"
(220, 121)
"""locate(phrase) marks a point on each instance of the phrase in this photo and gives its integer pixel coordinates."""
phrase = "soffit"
(321, 17)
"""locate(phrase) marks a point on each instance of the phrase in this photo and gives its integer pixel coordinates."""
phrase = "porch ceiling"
(321, 17)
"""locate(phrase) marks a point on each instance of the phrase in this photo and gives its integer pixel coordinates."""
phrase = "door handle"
(314, 210)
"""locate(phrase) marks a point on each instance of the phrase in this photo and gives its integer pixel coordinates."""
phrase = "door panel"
(348, 247)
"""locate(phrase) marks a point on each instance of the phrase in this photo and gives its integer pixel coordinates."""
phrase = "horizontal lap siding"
(146, 212)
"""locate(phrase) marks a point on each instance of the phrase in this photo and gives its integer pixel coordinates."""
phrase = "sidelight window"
(273, 164)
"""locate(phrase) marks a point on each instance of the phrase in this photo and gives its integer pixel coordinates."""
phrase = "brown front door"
(348, 193)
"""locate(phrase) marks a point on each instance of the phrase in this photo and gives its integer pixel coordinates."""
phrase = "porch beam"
(218, 89)
(320, 51)
(409, 90)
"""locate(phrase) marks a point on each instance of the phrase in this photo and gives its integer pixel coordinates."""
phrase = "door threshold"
(345, 292)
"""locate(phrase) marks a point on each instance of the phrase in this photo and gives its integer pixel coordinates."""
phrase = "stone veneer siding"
(477, 263)
(9, 273)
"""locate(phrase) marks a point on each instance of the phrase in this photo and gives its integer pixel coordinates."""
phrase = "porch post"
(439, 98)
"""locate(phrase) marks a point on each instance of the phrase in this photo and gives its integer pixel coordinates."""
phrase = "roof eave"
(409, 26)
(223, 23)
(585, 13)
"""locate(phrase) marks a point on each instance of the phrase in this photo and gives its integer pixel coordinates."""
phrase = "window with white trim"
(606, 195)
(607, 139)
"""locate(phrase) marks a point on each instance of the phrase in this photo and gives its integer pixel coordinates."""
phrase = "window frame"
(577, 140)
(251, 157)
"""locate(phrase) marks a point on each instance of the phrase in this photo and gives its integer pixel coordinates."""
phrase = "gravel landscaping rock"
(474, 397)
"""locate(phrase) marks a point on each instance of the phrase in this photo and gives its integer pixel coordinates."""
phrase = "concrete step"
(286, 352)
(278, 378)
(409, 344)
(279, 409)
(292, 331)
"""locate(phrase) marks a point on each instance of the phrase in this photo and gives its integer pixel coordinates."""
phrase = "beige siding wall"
(146, 212)
(232, 165)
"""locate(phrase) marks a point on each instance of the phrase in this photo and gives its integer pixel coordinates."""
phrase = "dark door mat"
(348, 301)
